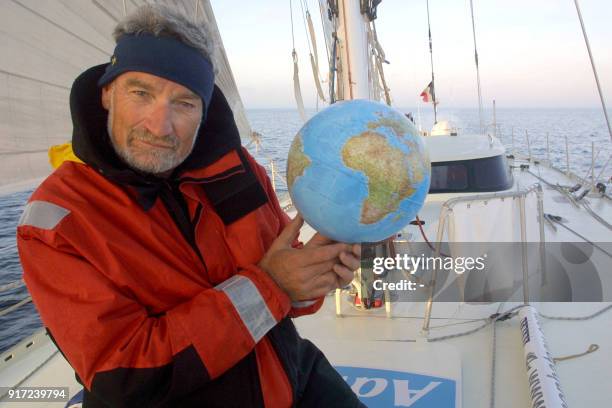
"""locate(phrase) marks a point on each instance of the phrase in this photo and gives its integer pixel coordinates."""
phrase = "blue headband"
(164, 57)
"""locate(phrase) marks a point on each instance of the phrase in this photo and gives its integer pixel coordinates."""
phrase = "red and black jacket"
(150, 288)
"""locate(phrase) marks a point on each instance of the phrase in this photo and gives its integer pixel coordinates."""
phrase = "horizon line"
(424, 109)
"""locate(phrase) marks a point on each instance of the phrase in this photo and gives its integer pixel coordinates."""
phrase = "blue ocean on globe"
(358, 171)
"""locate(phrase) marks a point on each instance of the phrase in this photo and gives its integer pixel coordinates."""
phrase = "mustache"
(145, 136)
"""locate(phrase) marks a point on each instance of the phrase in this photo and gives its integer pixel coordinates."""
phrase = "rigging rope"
(296, 75)
(327, 54)
(296, 87)
(586, 40)
(332, 70)
(577, 318)
(429, 244)
(433, 85)
(593, 214)
(555, 219)
(373, 65)
(513, 312)
(15, 306)
(595, 179)
(333, 14)
(317, 81)
(376, 85)
(592, 348)
(477, 69)
(292, 29)
(311, 38)
(577, 202)
(305, 24)
(379, 48)
(502, 316)
(12, 285)
(379, 57)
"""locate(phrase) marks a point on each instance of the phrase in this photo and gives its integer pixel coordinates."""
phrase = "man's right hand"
(305, 273)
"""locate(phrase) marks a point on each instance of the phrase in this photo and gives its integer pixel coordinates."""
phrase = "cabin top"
(463, 147)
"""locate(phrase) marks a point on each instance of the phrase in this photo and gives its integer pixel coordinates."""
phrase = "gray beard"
(157, 161)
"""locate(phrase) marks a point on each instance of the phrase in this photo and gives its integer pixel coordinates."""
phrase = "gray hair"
(162, 21)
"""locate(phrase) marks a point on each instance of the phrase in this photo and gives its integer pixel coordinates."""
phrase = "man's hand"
(310, 272)
(349, 259)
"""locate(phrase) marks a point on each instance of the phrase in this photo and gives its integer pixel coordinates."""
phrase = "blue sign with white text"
(386, 388)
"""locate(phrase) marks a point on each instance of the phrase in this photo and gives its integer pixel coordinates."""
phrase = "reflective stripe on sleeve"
(251, 307)
(303, 303)
(42, 214)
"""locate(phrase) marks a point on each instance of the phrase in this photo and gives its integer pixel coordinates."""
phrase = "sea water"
(279, 126)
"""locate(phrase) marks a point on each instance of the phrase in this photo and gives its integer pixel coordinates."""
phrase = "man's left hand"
(350, 261)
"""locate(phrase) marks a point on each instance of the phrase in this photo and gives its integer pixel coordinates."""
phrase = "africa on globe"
(358, 171)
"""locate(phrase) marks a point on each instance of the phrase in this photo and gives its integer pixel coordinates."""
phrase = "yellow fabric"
(61, 153)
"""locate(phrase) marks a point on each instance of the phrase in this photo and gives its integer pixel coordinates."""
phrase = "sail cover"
(44, 46)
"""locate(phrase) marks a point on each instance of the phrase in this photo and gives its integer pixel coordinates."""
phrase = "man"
(158, 256)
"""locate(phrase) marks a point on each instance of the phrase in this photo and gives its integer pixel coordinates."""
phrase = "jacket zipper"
(196, 221)
(192, 242)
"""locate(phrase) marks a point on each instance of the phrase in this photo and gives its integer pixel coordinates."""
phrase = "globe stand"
(367, 298)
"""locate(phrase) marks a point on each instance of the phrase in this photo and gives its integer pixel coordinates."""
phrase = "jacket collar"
(217, 137)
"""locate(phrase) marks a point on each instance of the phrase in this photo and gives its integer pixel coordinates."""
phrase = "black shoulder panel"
(237, 195)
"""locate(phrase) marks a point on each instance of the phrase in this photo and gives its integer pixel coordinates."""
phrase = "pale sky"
(532, 52)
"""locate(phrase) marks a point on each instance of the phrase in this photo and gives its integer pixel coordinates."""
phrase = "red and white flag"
(427, 92)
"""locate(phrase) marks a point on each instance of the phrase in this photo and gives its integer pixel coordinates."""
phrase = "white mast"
(353, 40)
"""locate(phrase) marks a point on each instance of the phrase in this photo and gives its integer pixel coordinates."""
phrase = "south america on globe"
(358, 171)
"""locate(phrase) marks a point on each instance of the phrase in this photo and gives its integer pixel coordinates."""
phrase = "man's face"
(152, 122)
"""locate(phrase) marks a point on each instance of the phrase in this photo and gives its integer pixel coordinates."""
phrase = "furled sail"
(44, 46)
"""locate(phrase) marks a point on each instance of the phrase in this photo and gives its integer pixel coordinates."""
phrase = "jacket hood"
(217, 135)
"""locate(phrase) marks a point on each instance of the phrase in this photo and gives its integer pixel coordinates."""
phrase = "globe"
(358, 171)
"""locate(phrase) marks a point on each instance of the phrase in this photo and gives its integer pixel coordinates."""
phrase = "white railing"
(521, 195)
(591, 178)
